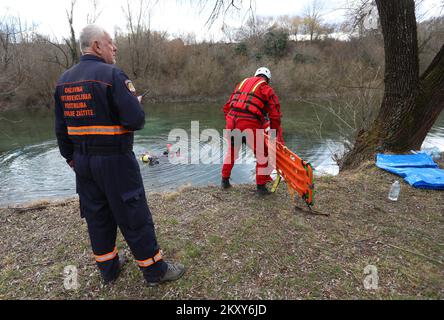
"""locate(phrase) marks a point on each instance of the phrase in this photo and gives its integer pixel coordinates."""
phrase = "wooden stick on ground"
(313, 212)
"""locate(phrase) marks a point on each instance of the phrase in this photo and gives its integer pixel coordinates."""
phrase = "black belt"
(253, 115)
(102, 150)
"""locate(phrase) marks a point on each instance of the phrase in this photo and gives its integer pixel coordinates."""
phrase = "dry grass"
(237, 246)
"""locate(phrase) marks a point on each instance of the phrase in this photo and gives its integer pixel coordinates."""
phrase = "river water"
(31, 167)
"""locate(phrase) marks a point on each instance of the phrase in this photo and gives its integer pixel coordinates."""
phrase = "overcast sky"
(177, 17)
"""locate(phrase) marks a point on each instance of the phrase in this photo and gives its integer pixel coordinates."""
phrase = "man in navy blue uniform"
(97, 111)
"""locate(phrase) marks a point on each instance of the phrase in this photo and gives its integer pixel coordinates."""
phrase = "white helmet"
(264, 71)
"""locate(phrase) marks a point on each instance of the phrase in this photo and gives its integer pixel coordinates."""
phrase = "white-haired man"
(97, 111)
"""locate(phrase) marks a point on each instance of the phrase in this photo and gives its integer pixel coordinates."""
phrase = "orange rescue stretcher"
(298, 174)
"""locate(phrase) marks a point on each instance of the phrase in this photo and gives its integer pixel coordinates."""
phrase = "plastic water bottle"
(394, 191)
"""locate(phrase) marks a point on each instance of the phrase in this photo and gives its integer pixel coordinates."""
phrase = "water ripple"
(38, 171)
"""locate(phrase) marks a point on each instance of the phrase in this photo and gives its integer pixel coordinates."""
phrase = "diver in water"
(150, 159)
(154, 159)
(168, 151)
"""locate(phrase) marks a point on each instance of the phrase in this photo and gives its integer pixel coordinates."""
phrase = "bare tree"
(67, 51)
(220, 8)
(71, 42)
(12, 32)
(8, 34)
(411, 103)
(292, 24)
(312, 18)
(12, 36)
(358, 14)
(254, 29)
(139, 35)
(96, 11)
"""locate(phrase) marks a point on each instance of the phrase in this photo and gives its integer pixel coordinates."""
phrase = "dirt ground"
(238, 246)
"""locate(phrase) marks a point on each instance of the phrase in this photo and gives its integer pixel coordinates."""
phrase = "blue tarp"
(418, 170)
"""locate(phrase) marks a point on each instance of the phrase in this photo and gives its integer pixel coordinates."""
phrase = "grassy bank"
(237, 246)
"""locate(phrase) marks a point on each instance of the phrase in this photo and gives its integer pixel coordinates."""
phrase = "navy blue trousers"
(112, 195)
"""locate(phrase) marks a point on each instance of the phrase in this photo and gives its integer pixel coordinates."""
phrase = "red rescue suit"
(253, 105)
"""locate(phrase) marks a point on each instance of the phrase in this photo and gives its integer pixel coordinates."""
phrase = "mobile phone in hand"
(142, 96)
(145, 93)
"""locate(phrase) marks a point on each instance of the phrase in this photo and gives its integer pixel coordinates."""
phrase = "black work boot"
(262, 190)
(226, 183)
(174, 272)
(122, 262)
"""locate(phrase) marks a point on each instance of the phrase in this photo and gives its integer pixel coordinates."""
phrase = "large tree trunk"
(411, 104)
(430, 101)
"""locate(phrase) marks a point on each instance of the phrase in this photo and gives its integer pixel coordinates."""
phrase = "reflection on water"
(435, 138)
(31, 167)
